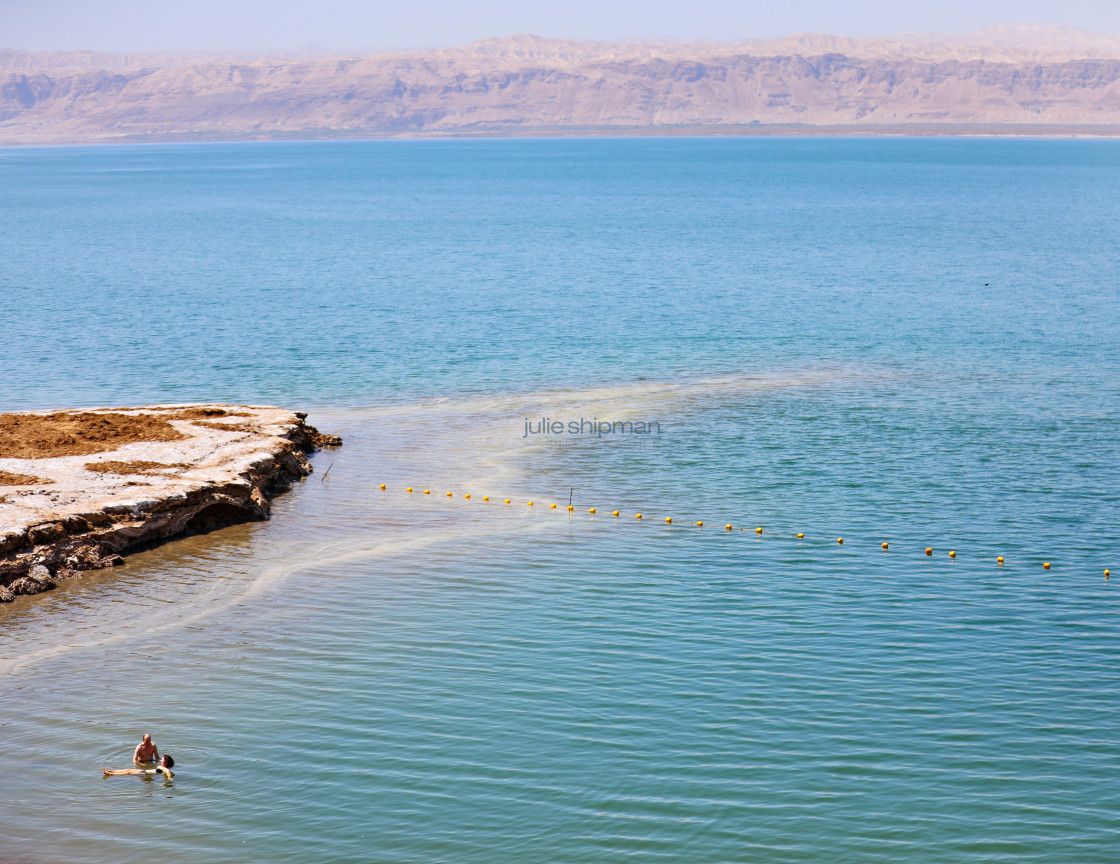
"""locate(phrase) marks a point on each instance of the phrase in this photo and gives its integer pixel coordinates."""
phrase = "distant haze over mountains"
(1021, 76)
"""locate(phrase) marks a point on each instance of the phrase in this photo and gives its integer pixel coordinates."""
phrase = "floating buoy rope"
(758, 531)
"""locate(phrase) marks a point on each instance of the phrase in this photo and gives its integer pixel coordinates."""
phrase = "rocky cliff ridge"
(524, 84)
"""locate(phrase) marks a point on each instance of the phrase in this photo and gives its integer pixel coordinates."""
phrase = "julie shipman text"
(594, 426)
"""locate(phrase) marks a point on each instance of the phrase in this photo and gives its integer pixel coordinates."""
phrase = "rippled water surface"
(898, 341)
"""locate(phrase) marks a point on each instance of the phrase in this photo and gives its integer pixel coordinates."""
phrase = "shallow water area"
(414, 676)
(407, 677)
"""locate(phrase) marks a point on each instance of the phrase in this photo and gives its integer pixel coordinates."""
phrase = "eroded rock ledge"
(79, 488)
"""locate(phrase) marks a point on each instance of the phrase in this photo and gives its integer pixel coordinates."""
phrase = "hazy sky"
(119, 25)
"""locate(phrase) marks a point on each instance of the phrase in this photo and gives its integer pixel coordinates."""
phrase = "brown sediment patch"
(9, 479)
(203, 413)
(39, 436)
(228, 427)
(141, 466)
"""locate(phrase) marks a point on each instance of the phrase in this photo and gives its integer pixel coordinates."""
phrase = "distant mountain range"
(1022, 78)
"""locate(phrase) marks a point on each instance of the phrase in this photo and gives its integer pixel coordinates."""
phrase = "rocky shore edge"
(36, 558)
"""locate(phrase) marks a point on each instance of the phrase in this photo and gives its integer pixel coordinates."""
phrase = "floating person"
(146, 751)
(164, 767)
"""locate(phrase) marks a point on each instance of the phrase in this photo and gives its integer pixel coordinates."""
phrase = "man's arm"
(136, 753)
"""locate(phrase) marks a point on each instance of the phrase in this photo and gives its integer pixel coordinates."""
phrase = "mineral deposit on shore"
(78, 488)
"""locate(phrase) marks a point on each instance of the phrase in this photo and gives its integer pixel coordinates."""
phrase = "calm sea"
(902, 341)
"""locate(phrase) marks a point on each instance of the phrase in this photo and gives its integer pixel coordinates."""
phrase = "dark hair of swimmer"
(167, 761)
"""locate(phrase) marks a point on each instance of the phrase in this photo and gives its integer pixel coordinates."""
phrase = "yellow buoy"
(758, 530)
(929, 550)
(409, 489)
(728, 526)
(637, 515)
(468, 495)
(669, 520)
(592, 510)
(884, 545)
(1107, 573)
(1045, 565)
(614, 512)
(999, 560)
(448, 494)
(382, 485)
(427, 491)
(840, 540)
(551, 506)
(952, 553)
(800, 536)
(485, 497)
(507, 500)
(530, 503)
(571, 508)
(699, 524)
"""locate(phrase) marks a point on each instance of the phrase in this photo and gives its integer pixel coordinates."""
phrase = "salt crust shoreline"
(61, 515)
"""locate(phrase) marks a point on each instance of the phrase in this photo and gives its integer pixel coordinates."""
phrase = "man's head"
(167, 761)
(147, 739)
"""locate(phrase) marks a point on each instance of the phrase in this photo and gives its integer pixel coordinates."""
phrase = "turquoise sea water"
(910, 341)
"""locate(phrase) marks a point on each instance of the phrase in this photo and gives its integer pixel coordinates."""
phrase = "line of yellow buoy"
(728, 527)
